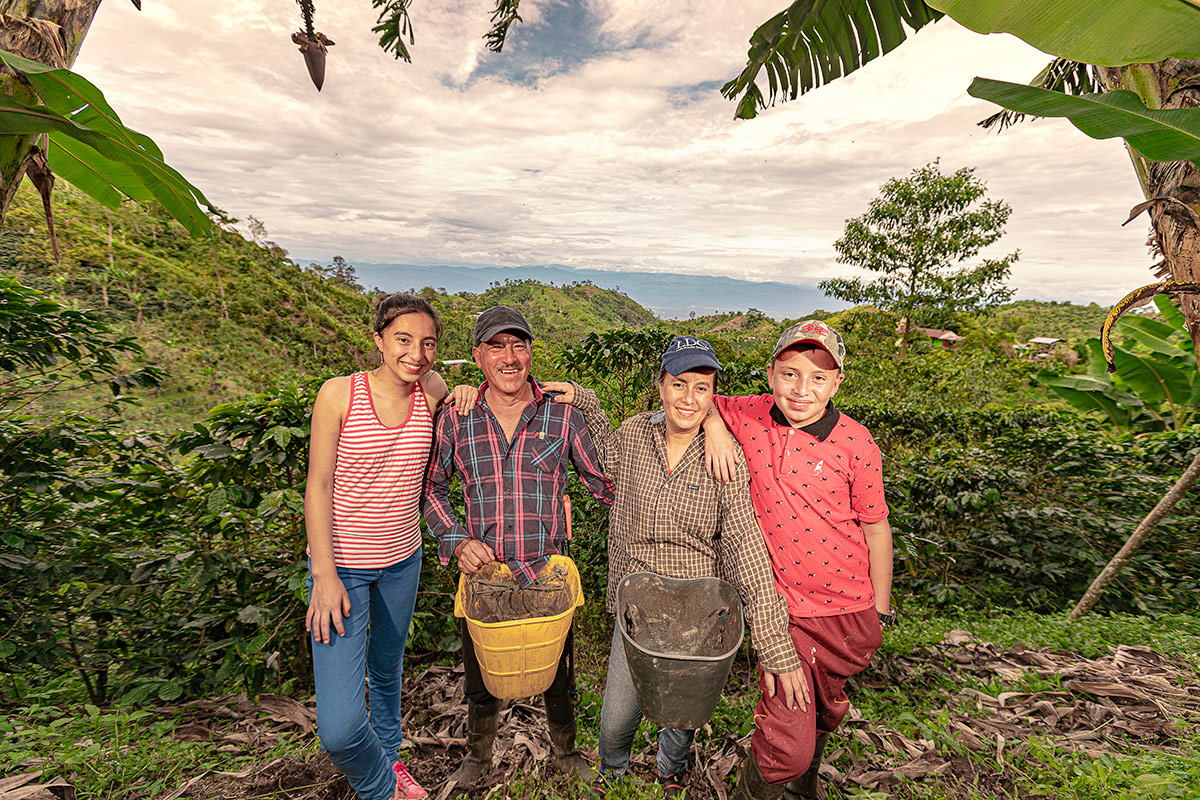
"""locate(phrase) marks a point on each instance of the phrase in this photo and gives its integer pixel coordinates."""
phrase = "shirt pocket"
(694, 507)
(545, 453)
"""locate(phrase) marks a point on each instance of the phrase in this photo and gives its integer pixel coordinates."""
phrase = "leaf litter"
(1133, 697)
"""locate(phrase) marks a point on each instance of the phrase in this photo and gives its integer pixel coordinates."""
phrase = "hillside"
(229, 316)
(559, 315)
(669, 295)
(1026, 319)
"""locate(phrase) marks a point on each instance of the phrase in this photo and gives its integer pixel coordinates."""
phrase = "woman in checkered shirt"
(672, 518)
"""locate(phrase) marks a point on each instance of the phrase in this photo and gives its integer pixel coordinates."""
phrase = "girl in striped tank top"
(371, 437)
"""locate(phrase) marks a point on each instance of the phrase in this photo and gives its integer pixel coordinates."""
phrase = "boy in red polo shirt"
(816, 481)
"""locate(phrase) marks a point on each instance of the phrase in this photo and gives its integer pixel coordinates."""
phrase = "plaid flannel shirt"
(513, 490)
(683, 523)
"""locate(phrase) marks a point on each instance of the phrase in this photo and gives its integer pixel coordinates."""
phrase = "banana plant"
(1155, 385)
(82, 140)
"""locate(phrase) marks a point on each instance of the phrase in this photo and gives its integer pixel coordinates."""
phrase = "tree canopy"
(915, 236)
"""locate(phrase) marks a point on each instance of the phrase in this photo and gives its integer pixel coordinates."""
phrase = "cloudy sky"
(598, 139)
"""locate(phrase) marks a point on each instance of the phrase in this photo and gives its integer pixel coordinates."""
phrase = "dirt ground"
(1132, 696)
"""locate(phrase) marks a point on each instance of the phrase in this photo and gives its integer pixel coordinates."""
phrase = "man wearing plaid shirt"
(512, 450)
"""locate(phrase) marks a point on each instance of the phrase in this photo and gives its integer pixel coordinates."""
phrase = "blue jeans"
(619, 718)
(363, 746)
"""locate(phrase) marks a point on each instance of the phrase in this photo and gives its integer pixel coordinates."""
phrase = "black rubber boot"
(560, 719)
(808, 786)
(482, 721)
(752, 785)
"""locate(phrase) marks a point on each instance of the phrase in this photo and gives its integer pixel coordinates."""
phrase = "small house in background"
(1042, 347)
(947, 338)
(456, 362)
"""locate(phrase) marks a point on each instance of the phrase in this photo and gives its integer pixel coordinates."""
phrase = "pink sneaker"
(406, 787)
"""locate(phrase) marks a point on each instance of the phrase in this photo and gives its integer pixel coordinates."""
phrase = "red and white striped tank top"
(377, 481)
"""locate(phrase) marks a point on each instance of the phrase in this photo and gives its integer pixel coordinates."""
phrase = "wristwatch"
(887, 620)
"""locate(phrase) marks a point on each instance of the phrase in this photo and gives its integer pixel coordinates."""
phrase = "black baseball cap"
(501, 319)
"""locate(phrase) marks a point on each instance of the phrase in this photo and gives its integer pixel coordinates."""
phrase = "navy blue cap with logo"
(687, 353)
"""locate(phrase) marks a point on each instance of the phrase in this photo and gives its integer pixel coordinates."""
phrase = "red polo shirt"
(811, 487)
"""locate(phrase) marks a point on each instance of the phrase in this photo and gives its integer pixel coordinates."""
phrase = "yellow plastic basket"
(520, 658)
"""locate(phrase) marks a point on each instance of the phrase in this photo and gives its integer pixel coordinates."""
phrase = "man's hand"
(464, 397)
(473, 554)
(795, 690)
(328, 605)
(565, 391)
(721, 452)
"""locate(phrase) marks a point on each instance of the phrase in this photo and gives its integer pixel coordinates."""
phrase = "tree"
(915, 235)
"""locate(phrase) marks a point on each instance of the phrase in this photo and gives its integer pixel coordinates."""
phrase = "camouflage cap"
(813, 331)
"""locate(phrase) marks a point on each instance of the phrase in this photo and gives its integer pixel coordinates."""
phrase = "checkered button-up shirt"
(513, 490)
(682, 523)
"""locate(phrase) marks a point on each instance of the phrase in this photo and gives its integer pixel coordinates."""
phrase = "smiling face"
(686, 399)
(505, 360)
(408, 345)
(803, 379)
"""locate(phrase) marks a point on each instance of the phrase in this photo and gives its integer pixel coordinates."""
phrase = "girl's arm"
(329, 602)
(435, 390)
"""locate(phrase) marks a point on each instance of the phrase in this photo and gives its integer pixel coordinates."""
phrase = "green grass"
(117, 752)
(1173, 635)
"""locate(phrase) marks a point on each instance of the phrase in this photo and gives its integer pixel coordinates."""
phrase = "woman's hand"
(327, 607)
(564, 392)
(464, 397)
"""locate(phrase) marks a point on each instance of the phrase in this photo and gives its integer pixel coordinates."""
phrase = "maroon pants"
(832, 649)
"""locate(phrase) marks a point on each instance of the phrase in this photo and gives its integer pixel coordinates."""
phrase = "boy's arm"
(722, 455)
(868, 501)
(879, 562)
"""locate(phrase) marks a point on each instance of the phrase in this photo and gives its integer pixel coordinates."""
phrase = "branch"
(502, 19)
(393, 26)
(1123, 556)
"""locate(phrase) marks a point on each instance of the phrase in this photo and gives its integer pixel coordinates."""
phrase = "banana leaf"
(93, 150)
(1154, 379)
(1088, 394)
(1109, 33)
(813, 42)
(1159, 135)
(1166, 341)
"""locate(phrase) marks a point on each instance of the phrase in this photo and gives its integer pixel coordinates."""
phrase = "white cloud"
(596, 153)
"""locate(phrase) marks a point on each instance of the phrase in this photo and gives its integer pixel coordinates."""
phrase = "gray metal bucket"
(680, 638)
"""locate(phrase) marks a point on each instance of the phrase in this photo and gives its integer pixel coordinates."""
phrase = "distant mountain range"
(668, 296)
